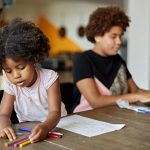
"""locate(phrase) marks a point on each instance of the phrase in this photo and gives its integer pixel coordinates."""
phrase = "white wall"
(70, 13)
(139, 42)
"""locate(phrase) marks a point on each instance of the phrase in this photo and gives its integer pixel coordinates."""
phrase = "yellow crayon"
(24, 143)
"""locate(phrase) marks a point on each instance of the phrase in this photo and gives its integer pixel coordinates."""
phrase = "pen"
(144, 111)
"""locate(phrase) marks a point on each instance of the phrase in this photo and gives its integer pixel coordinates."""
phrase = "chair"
(67, 95)
(13, 118)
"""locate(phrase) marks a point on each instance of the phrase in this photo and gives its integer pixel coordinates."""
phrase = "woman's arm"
(54, 112)
(133, 88)
(6, 108)
(90, 91)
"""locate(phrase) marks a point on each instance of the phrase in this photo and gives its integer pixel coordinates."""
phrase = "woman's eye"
(113, 37)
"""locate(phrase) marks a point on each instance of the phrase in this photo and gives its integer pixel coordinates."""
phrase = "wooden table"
(134, 136)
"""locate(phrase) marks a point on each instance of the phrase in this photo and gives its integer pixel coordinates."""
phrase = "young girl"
(34, 92)
(101, 75)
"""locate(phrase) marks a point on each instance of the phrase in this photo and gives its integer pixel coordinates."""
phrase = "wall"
(139, 42)
(69, 13)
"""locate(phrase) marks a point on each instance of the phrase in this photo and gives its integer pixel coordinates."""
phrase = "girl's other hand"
(8, 132)
(39, 132)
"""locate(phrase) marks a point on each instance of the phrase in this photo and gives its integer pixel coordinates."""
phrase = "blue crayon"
(19, 133)
(25, 129)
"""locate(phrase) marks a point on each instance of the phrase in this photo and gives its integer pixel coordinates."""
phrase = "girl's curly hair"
(102, 19)
(24, 40)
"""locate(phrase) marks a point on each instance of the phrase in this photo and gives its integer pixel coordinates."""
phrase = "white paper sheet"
(87, 126)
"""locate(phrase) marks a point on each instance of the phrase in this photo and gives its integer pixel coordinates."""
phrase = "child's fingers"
(38, 133)
(34, 131)
(12, 133)
(34, 137)
(2, 134)
(9, 133)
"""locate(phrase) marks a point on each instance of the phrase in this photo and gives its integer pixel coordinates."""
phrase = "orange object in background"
(59, 44)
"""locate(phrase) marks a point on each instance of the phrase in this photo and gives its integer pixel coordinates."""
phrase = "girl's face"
(110, 42)
(19, 72)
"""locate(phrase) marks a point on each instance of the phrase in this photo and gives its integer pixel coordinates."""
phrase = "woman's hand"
(8, 132)
(145, 96)
(39, 132)
(145, 100)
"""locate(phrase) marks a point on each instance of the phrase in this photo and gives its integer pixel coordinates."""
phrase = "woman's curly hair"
(102, 19)
(24, 40)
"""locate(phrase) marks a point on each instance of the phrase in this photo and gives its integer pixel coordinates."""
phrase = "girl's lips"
(20, 83)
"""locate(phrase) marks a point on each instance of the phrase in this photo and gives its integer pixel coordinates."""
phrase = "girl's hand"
(8, 132)
(38, 133)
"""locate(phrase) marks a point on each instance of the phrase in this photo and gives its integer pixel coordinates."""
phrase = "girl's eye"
(7, 71)
(21, 67)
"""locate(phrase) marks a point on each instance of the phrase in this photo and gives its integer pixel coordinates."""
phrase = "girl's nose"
(16, 74)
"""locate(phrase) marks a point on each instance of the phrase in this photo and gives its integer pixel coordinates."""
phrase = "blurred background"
(63, 21)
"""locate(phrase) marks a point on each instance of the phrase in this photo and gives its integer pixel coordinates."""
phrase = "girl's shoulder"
(43, 71)
(47, 77)
(46, 73)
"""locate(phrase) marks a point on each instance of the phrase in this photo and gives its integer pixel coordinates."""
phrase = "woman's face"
(110, 42)
(19, 72)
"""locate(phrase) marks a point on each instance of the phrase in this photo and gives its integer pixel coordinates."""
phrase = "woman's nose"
(119, 41)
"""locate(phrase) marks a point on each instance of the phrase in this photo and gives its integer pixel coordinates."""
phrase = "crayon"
(15, 144)
(19, 133)
(55, 133)
(24, 143)
(10, 143)
(54, 136)
(25, 129)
